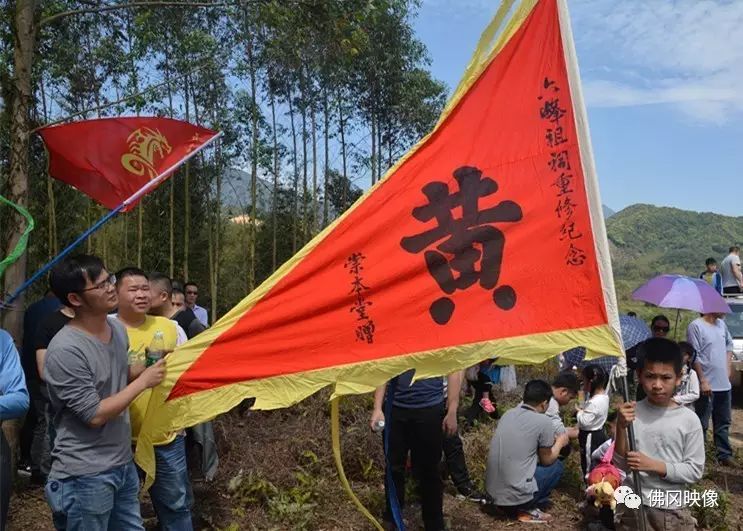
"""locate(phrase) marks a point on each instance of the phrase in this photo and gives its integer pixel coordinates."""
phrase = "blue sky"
(663, 81)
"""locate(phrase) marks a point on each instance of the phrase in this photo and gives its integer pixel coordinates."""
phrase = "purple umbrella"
(681, 293)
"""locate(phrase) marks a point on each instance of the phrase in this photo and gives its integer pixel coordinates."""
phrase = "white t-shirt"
(593, 417)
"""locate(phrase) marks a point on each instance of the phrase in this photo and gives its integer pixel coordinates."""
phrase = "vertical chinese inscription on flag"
(365, 329)
(144, 144)
(552, 113)
(468, 242)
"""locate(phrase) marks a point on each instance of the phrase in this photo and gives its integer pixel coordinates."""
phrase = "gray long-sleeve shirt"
(672, 435)
(81, 371)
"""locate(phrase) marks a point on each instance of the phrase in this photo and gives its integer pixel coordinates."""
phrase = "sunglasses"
(661, 328)
(110, 280)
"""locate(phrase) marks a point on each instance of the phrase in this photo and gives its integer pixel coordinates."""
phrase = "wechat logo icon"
(626, 495)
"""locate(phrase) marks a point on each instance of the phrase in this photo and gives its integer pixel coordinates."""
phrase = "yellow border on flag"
(165, 417)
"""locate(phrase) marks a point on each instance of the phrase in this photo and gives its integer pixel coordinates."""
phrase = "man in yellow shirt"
(171, 492)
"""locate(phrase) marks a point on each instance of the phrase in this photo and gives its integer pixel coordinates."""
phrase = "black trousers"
(589, 441)
(419, 432)
(6, 479)
(456, 465)
(481, 386)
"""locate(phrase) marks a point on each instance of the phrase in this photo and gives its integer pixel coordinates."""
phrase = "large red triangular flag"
(486, 240)
(111, 159)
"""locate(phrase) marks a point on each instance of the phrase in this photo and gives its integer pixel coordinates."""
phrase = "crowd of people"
(679, 387)
(91, 353)
(89, 365)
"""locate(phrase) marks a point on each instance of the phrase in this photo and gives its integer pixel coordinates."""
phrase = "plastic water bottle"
(378, 426)
(156, 350)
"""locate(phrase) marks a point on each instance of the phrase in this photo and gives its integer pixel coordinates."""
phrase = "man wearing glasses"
(192, 295)
(93, 481)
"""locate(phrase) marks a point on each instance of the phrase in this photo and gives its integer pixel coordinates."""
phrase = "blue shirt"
(13, 394)
(712, 343)
(428, 392)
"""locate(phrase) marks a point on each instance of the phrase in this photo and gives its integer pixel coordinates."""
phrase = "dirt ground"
(277, 473)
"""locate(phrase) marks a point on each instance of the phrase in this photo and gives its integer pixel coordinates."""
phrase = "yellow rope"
(336, 441)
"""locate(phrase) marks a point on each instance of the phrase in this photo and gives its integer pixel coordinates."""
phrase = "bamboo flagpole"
(586, 151)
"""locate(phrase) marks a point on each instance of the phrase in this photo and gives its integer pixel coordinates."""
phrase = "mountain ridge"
(647, 240)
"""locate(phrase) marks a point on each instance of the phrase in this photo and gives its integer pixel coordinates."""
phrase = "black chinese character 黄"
(468, 240)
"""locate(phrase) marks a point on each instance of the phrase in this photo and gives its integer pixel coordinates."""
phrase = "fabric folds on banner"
(485, 240)
(110, 159)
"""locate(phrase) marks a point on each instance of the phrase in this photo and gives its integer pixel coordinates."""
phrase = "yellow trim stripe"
(283, 391)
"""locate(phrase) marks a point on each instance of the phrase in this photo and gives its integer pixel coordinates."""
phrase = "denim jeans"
(98, 502)
(171, 492)
(718, 407)
(547, 478)
(40, 445)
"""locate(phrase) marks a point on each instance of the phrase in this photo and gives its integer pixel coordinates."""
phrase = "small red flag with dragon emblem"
(112, 159)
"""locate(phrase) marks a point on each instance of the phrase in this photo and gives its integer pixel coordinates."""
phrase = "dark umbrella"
(634, 331)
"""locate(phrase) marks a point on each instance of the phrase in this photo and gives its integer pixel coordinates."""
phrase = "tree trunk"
(373, 158)
(389, 150)
(51, 210)
(140, 232)
(217, 236)
(126, 239)
(313, 213)
(186, 192)
(171, 184)
(17, 187)
(253, 165)
(305, 211)
(88, 223)
(103, 232)
(326, 133)
(135, 83)
(210, 247)
(275, 192)
(342, 130)
(295, 183)
(380, 159)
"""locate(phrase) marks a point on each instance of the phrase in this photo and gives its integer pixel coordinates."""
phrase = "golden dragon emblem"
(144, 145)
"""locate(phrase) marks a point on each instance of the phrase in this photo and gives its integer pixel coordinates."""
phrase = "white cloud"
(685, 53)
